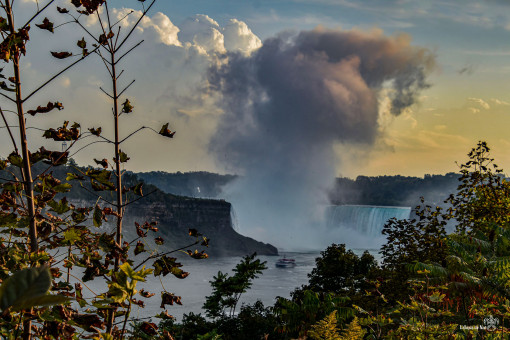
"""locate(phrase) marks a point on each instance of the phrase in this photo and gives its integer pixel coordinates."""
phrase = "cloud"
(157, 28)
(206, 34)
(482, 103)
(499, 102)
(170, 76)
(239, 38)
(289, 102)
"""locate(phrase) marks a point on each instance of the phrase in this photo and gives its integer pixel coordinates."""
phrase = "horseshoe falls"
(365, 220)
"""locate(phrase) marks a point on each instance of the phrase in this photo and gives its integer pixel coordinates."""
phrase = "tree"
(58, 232)
(341, 271)
(227, 290)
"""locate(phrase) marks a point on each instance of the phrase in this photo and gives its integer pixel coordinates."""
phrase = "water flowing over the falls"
(367, 220)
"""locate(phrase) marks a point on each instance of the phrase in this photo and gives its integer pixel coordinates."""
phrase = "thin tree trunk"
(27, 173)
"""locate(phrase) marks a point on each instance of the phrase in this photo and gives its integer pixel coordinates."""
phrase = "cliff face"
(176, 215)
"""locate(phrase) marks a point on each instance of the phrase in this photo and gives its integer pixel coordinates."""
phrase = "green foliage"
(227, 290)
(28, 288)
(296, 316)
(353, 331)
(341, 271)
(326, 329)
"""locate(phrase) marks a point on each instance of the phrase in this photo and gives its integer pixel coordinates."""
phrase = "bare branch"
(109, 95)
(117, 37)
(98, 196)
(10, 132)
(120, 74)
(110, 46)
(139, 198)
(132, 48)
(6, 96)
(97, 141)
(86, 30)
(124, 17)
(62, 155)
(121, 92)
(134, 132)
(104, 62)
(162, 254)
(65, 23)
(134, 26)
(57, 75)
(39, 11)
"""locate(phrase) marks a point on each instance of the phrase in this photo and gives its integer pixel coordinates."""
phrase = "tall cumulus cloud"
(288, 103)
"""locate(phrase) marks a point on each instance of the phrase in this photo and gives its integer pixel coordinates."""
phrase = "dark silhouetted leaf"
(103, 162)
(61, 55)
(166, 132)
(145, 294)
(140, 248)
(169, 299)
(197, 255)
(82, 43)
(44, 109)
(159, 241)
(193, 232)
(149, 328)
(62, 10)
(95, 132)
(103, 39)
(46, 25)
(4, 86)
(63, 133)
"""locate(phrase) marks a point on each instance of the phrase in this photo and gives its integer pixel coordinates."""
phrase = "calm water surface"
(272, 283)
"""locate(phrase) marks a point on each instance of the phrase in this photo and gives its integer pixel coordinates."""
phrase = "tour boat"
(285, 263)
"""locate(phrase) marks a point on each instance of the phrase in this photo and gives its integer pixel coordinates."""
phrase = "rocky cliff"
(176, 215)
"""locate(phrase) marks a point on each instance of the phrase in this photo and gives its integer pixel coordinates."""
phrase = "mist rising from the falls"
(287, 105)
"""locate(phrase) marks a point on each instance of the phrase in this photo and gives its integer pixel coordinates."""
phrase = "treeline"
(394, 190)
(192, 184)
(380, 190)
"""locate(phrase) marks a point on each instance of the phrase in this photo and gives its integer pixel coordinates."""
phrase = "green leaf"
(45, 300)
(97, 218)
(59, 207)
(15, 160)
(127, 107)
(72, 235)
(138, 189)
(71, 176)
(123, 157)
(64, 187)
(26, 288)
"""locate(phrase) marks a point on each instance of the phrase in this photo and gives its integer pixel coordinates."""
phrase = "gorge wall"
(212, 218)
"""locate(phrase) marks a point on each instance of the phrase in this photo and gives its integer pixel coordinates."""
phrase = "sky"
(289, 94)
(466, 98)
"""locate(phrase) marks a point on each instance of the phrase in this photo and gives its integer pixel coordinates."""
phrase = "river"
(272, 283)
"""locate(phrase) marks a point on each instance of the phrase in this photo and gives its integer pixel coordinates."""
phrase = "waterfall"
(367, 220)
(233, 218)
